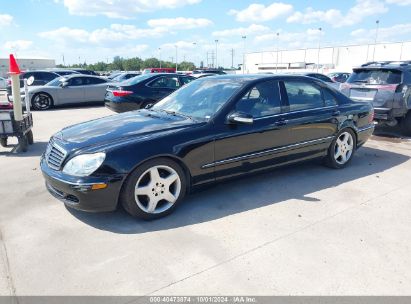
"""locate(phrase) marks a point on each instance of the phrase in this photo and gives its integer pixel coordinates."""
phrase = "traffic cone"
(14, 67)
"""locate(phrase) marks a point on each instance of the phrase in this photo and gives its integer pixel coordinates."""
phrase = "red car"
(159, 70)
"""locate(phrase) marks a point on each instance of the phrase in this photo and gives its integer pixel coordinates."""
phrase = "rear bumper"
(363, 134)
(78, 194)
(120, 107)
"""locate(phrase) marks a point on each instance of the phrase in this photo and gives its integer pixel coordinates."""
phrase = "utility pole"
(232, 58)
(376, 38)
(216, 58)
(207, 60)
(278, 40)
(176, 58)
(319, 47)
(244, 39)
(159, 53)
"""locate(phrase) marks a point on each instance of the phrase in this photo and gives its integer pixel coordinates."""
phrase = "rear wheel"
(3, 142)
(42, 101)
(30, 138)
(154, 189)
(406, 124)
(341, 149)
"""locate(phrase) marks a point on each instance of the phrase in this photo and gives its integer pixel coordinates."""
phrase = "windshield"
(375, 77)
(200, 99)
(56, 82)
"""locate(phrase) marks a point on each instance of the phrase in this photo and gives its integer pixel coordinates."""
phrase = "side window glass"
(158, 83)
(303, 96)
(261, 100)
(77, 81)
(165, 82)
(185, 80)
(329, 98)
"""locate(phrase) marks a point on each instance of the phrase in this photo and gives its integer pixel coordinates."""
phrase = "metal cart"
(20, 129)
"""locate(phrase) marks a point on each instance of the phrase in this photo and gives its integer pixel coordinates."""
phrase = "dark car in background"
(339, 77)
(39, 77)
(140, 91)
(388, 86)
(208, 71)
(124, 76)
(212, 129)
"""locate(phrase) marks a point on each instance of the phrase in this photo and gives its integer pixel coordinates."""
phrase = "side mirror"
(149, 106)
(240, 118)
(64, 84)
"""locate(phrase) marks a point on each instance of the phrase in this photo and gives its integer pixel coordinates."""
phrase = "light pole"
(376, 38)
(195, 47)
(319, 47)
(278, 41)
(159, 55)
(176, 58)
(216, 57)
(244, 39)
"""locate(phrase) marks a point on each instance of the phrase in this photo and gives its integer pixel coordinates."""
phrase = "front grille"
(55, 156)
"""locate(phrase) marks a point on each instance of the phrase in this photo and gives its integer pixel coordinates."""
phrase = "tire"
(3, 142)
(156, 196)
(30, 138)
(22, 146)
(341, 150)
(406, 124)
(42, 101)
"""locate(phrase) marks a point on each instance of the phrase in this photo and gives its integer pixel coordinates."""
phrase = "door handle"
(336, 113)
(281, 122)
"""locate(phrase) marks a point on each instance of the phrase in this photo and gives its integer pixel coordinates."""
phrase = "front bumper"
(75, 192)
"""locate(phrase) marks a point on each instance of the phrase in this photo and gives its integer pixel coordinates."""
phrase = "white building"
(338, 58)
(26, 64)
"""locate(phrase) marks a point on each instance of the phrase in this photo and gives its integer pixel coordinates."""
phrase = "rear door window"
(165, 82)
(77, 81)
(375, 76)
(329, 98)
(302, 95)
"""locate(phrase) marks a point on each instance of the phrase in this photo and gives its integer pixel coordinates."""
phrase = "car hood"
(112, 130)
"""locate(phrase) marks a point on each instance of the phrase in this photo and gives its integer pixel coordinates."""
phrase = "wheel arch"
(33, 95)
(174, 158)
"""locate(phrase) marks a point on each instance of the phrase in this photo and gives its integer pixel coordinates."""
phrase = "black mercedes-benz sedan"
(140, 91)
(212, 129)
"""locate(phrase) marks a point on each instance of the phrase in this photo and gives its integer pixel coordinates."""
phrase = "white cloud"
(384, 33)
(18, 45)
(180, 23)
(259, 12)
(5, 20)
(399, 2)
(103, 36)
(253, 29)
(120, 8)
(356, 14)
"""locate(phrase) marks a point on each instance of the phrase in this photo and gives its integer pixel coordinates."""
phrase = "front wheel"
(42, 101)
(3, 142)
(154, 189)
(341, 149)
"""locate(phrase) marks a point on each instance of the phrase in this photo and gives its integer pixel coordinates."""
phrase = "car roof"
(244, 78)
(81, 75)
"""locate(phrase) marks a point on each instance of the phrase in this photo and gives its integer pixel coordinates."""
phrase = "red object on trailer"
(14, 67)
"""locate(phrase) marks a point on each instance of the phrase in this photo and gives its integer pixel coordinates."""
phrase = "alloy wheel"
(157, 189)
(42, 102)
(344, 147)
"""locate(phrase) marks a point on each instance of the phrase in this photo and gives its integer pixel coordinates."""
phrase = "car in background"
(202, 75)
(140, 91)
(38, 78)
(207, 71)
(71, 89)
(387, 85)
(159, 70)
(85, 72)
(321, 77)
(339, 77)
(113, 75)
(211, 130)
(124, 76)
(3, 83)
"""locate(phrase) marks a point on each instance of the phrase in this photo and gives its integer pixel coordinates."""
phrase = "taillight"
(401, 88)
(119, 93)
(371, 116)
(387, 87)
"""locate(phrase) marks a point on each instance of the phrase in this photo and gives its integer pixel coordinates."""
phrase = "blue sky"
(94, 30)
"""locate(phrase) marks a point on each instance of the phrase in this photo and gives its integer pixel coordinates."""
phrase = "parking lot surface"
(301, 230)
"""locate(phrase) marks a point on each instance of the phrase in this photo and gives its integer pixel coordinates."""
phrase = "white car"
(3, 83)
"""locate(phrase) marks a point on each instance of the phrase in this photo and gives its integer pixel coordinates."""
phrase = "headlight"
(84, 165)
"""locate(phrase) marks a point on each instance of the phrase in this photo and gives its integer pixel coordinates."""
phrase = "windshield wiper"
(177, 114)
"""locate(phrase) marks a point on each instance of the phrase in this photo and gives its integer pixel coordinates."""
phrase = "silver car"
(3, 83)
(70, 89)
